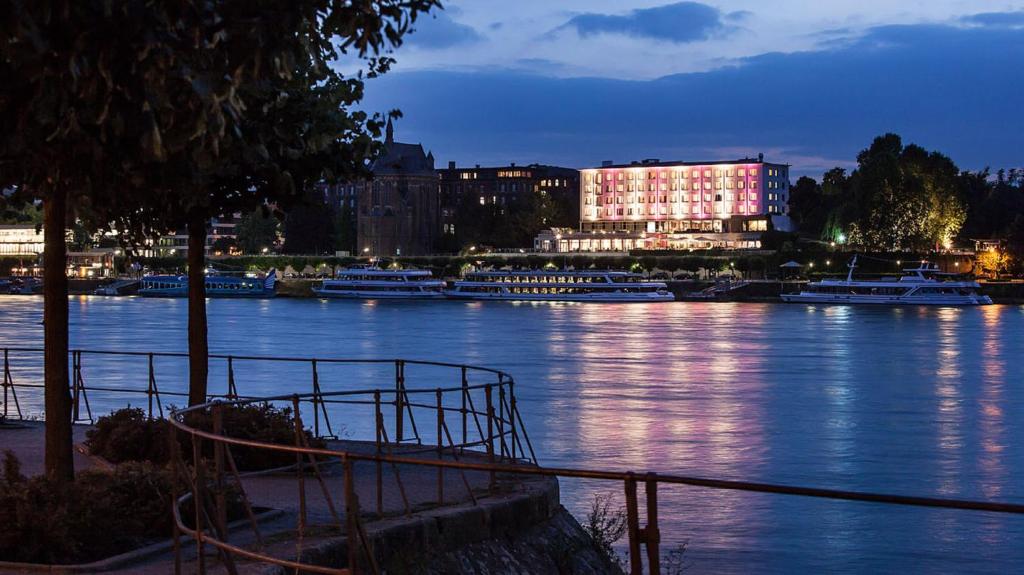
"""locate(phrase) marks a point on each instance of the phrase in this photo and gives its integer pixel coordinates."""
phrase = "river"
(919, 401)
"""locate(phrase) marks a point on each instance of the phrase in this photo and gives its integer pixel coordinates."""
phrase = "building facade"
(505, 185)
(20, 240)
(676, 205)
(398, 210)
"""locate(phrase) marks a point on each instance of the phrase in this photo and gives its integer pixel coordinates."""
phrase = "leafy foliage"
(128, 435)
(98, 515)
(257, 231)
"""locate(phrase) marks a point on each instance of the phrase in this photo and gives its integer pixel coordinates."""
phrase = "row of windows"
(674, 210)
(675, 174)
(728, 197)
(664, 187)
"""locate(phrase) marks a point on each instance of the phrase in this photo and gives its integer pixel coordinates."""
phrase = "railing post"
(351, 517)
(197, 500)
(74, 386)
(501, 419)
(465, 392)
(633, 527)
(298, 467)
(512, 416)
(232, 389)
(652, 535)
(9, 385)
(490, 430)
(399, 393)
(316, 401)
(149, 387)
(378, 422)
(440, 448)
(218, 468)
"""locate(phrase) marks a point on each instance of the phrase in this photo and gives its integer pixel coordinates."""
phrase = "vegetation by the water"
(129, 435)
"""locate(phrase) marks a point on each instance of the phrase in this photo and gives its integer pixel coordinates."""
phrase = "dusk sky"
(572, 82)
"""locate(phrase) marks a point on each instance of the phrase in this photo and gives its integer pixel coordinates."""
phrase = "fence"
(489, 439)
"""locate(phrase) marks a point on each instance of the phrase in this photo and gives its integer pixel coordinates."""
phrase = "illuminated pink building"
(676, 205)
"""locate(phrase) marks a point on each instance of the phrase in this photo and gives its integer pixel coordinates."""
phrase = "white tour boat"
(560, 285)
(923, 285)
(377, 283)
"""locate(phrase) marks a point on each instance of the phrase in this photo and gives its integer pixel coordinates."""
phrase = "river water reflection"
(924, 401)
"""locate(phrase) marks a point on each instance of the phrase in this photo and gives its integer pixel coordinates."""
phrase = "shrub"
(605, 525)
(258, 422)
(98, 515)
(128, 435)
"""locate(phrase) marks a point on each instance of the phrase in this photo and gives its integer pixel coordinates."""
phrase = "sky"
(574, 83)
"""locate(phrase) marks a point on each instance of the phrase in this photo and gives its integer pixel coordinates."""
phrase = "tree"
(257, 231)
(309, 229)
(899, 198)
(145, 117)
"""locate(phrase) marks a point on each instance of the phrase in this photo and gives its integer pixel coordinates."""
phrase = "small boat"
(560, 285)
(372, 282)
(923, 285)
(216, 286)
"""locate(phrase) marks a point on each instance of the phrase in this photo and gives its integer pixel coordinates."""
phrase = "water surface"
(922, 401)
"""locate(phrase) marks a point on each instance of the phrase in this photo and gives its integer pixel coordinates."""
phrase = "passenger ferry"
(923, 285)
(376, 283)
(216, 286)
(560, 285)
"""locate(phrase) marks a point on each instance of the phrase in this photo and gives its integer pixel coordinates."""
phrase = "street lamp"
(265, 250)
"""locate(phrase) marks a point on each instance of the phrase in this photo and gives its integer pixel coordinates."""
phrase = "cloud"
(438, 30)
(681, 22)
(996, 19)
(949, 88)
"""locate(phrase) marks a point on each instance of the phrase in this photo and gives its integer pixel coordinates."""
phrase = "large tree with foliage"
(257, 231)
(144, 117)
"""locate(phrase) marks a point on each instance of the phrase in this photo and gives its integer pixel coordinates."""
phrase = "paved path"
(280, 491)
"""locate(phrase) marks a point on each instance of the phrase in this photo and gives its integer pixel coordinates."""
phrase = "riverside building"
(652, 205)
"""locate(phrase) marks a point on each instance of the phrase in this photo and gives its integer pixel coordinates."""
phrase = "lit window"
(707, 185)
(742, 172)
(707, 173)
(753, 171)
(483, 201)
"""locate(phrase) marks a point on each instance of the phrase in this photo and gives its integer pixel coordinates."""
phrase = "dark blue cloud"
(438, 30)
(680, 22)
(996, 19)
(949, 88)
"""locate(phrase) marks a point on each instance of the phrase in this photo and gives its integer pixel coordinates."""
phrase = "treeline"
(903, 197)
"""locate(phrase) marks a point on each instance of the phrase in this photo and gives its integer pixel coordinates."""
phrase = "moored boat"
(560, 285)
(219, 286)
(376, 283)
(923, 285)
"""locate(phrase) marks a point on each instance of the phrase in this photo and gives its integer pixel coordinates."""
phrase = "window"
(707, 185)
(707, 173)
(742, 172)
(483, 201)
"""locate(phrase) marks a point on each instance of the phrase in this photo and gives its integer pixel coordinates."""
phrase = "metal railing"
(643, 539)
(491, 389)
(489, 438)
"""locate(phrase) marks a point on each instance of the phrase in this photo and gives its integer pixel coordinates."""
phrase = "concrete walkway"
(280, 491)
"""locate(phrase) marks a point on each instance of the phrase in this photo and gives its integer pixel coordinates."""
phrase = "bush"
(128, 435)
(98, 515)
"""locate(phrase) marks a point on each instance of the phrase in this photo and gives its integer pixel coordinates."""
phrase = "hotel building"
(676, 205)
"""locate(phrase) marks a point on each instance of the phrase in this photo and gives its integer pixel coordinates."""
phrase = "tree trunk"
(59, 461)
(198, 352)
